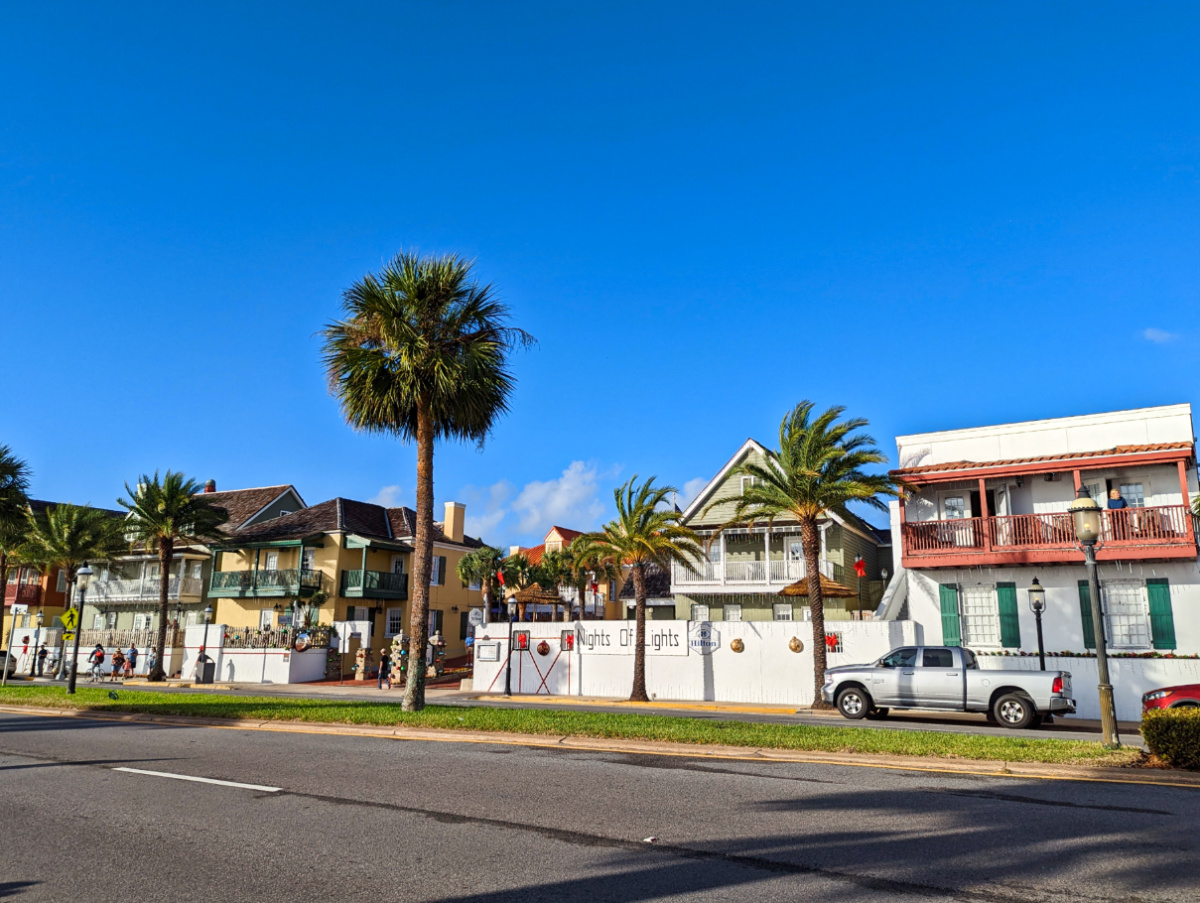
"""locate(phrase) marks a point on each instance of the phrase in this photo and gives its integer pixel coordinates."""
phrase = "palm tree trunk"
(3, 593)
(166, 548)
(418, 622)
(639, 649)
(816, 603)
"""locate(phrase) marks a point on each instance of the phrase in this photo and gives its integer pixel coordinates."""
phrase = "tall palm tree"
(67, 536)
(646, 532)
(163, 514)
(14, 483)
(588, 564)
(818, 468)
(422, 354)
(480, 566)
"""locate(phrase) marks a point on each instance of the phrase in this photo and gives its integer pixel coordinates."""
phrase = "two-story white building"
(988, 513)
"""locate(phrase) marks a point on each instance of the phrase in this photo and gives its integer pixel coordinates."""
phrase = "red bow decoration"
(500, 577)
(860, 568)
(831, 641)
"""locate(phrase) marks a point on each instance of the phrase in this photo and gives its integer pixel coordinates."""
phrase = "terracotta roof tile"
(1044, 459)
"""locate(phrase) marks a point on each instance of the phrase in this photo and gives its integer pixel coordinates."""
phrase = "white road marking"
(188, 777)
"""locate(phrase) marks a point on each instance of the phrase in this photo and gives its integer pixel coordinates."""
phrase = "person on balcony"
(1120, 522)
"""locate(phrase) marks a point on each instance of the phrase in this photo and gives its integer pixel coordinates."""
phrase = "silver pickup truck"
(946, 678)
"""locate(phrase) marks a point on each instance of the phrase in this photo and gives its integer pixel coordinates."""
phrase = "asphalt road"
(385, 820)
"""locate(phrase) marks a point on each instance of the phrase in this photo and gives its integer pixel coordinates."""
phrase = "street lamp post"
(202, 658)
(1086, 514)
(41, 617)
(1037, 604)
(512, 629)
(83, 576)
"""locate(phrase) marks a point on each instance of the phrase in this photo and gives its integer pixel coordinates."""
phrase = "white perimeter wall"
(266, 666)
(767, 671)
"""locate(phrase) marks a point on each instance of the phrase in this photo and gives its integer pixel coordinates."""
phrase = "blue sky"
(939, 215)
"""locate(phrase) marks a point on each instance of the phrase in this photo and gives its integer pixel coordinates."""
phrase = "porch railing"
(128, 637)
(275, 637)
(1163, 525)
(776, 571)
(26, 593)
(280, 581)
(374, 584)
(137, 589)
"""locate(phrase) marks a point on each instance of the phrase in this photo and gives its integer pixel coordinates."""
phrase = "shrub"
(1174, 736)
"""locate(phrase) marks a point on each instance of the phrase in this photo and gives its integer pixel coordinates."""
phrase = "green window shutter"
(951, 634)
(1010, 621)
(1162, 621)
(1085, 611)
(442, 570)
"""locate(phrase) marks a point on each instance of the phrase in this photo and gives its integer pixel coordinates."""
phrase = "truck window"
(900, 658)
(969, 660)
(937, 658)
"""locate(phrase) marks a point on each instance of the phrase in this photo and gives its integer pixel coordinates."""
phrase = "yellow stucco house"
(342, 561)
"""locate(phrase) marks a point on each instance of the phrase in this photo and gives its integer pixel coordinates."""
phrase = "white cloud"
(1158, 336)
(691, 489)
(570, 500)
(486, 508)
(388, 496)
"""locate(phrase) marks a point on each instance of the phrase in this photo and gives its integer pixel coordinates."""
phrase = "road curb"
(977, 767)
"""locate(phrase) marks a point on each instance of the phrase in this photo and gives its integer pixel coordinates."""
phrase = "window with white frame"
(395, 621)
(1127, 614)
(61, 586)
(266, 619)
(1133, 494)
(714, 550)
(747, 482)
(308, 560)
(142, 620)
(271, 561)
(191, 618)
(435, 571)
(782, 611)
(699, 612)
(732, 612)
(97, 621)
(980, 616)
(954, 507)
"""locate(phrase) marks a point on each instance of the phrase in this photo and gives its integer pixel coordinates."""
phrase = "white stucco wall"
(767, 671)
(267, 666)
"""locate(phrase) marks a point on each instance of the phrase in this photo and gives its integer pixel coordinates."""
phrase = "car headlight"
(1157, 694)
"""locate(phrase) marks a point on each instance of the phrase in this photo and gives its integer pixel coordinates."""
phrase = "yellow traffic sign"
(68, 635)
(70, 618)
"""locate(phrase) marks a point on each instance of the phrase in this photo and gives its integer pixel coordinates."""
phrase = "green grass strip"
(557, 722)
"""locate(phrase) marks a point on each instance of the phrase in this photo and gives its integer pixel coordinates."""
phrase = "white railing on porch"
(137, 589)
(775, 572)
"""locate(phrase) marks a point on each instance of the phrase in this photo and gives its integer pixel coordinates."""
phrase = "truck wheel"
(1014, 710)
(876, 714)
(853, 702)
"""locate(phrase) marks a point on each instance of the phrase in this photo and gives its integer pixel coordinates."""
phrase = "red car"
(1186, 696)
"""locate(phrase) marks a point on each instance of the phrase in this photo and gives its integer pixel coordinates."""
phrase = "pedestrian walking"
(41, 660)
(152, 660)
(385, 668)
(118, 664)
(96, 660)
(131, 659)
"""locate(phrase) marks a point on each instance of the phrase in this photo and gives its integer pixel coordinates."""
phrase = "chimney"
(513, 550)
(210, 486)
(455, 513)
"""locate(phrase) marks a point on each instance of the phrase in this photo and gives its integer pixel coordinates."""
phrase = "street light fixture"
(33, 659)
(1037, 604)
(1086, 514)
(512, 629)
(83, 577)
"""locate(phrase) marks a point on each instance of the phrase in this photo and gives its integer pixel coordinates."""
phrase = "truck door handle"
(952, 674)
(908, 672)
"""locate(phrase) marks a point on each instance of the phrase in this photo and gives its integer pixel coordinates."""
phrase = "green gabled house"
(747, 566)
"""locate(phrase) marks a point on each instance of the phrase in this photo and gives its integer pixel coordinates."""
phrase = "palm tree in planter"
(164, 514)
(14, 483)
(588, 565)
(68, 536)
(422, 354)
(480, 568)
(817, 469)
(646, 532)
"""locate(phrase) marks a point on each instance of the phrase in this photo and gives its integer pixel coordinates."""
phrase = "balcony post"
(254, 577)
(1183, 494)
(723, 558)
(767, 558)
(985, 515)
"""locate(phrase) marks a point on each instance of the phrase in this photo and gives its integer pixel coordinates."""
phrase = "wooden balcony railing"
(1160, 532)
(23, 593)
(136, 589)
(264, 582)
(359, 584)
(777, 571)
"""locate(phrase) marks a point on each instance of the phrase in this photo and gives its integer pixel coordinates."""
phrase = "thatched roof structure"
(537, 595)
(829, 589)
